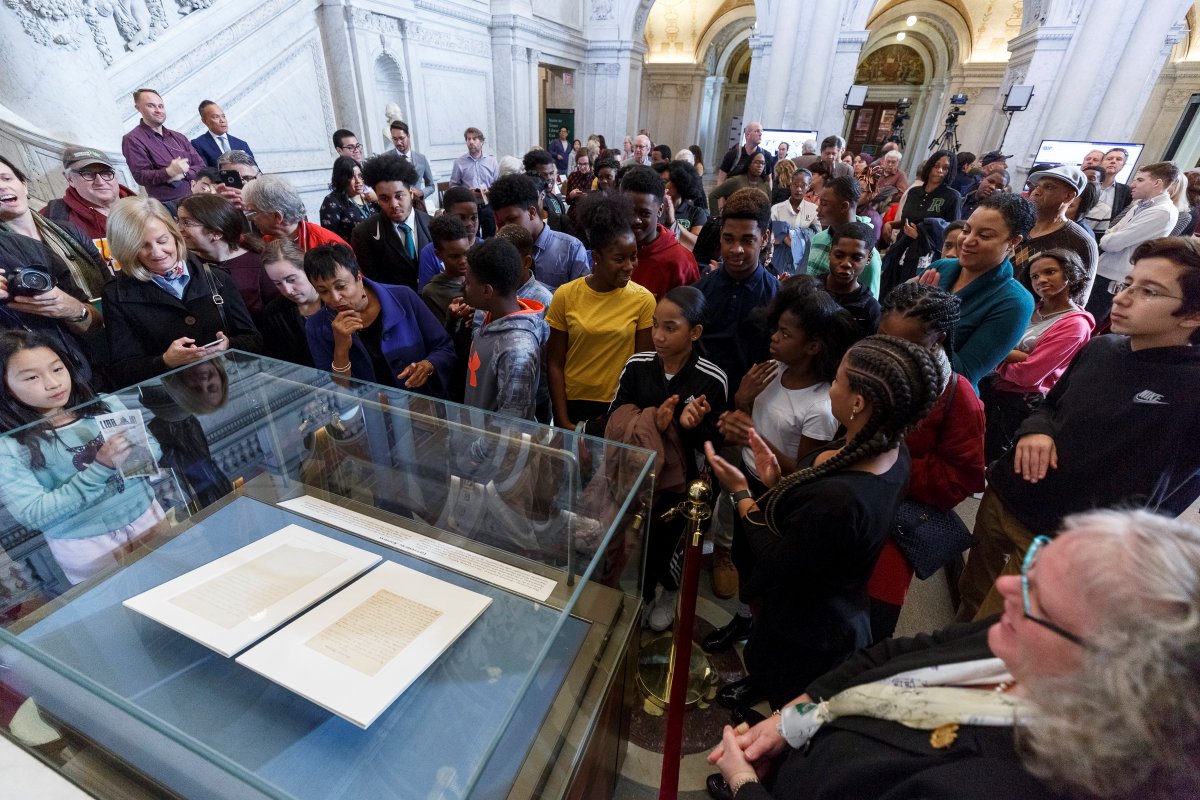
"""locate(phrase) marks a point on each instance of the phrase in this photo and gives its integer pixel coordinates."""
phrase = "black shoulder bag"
(928, 537)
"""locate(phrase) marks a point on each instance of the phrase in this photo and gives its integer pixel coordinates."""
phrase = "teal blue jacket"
(62, 501)
(995, 311)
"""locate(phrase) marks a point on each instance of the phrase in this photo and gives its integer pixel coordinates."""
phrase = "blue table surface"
(435, 735)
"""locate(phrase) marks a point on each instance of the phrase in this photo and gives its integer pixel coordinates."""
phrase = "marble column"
(1082, 92)
(672, 113)
(610, 97)
(760, 89)
(709, 110)
(831, 116)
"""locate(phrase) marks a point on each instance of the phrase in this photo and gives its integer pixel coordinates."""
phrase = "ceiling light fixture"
(900, 36)
(912, 20)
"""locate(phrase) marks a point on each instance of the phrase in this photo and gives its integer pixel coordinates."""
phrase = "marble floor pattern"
(927, 608)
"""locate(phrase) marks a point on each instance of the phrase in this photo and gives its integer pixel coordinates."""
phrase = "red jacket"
(947, 456)
(664, 264)
(947, 466)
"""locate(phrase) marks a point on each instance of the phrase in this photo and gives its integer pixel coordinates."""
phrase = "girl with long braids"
(946, 448)
(60, 476)
(817, 532)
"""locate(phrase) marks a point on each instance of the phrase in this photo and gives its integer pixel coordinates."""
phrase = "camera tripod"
(948, 140)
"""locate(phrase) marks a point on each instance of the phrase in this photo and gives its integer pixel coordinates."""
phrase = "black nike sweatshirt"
(1126, 426)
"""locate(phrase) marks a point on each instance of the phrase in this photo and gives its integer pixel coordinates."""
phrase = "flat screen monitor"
(1055, 151)
(773, 136)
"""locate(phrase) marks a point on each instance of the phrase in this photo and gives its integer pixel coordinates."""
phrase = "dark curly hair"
(1019, 214)
(821, 318)
(687, 181)
(387, 168)
(520, 191)
(1072, 268)
(605, 217)
(643, 180)
(901, 381)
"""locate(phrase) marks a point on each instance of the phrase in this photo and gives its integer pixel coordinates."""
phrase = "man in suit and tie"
(387, 243)
(403, 142)
(211, 145)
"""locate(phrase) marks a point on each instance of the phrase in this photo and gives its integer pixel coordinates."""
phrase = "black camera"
(29, 281)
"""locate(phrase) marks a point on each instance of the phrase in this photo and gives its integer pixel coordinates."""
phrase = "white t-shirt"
(782, 416)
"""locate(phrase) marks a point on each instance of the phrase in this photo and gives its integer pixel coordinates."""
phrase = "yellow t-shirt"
(601, 328)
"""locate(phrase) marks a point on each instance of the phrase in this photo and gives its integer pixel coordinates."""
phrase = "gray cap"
(75, 156)
(1072, 176)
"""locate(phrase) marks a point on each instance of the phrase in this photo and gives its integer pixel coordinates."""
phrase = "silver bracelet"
(336, 368)
(735, 787)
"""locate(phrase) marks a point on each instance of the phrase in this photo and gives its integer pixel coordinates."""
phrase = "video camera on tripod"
(948, 140)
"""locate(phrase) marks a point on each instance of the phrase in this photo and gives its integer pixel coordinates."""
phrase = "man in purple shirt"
(162, 160)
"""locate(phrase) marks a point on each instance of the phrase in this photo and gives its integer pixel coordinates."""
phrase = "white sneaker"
(662, 616)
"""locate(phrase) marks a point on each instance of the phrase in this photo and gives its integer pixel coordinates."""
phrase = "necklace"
(1044, 317)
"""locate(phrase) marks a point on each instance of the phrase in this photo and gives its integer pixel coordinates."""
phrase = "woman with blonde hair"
(165, 310)
(783, 172)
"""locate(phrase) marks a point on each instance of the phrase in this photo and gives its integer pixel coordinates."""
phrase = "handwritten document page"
(247, 590)
(375, 632)
(232, 602)
(358, 651)
(489, 570)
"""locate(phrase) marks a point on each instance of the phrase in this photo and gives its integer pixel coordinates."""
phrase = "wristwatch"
(82, 316)
(740, 495)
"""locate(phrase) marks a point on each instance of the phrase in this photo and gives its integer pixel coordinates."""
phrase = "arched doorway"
(888, 70)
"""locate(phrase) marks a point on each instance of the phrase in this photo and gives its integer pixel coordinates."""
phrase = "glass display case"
(529, 701)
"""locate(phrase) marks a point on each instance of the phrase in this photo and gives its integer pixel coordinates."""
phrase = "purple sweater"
(148, 155)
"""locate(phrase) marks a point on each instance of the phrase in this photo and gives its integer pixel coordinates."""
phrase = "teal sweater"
(995, 311)
(62, 501)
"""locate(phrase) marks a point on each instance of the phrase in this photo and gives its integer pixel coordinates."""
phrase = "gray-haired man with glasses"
(92, 189)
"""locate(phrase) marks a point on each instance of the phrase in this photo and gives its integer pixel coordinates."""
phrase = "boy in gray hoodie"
(505, 365)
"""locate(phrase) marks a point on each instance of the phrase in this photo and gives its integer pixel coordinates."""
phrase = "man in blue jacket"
(218, 140)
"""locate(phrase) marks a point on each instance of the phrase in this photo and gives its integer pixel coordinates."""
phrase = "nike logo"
(1148, 397)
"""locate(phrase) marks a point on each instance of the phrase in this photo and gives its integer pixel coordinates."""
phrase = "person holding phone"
(165, 310)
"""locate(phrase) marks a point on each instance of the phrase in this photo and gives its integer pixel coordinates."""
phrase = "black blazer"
(381, 253)
(142, 319)
(864, 757)
(1122, 197)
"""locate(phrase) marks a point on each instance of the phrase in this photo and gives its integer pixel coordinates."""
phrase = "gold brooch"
(944, 736)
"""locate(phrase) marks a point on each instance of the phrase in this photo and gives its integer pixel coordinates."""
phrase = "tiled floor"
(927, 608)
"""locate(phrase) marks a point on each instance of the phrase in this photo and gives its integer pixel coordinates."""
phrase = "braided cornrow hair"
(901, 381)
(936, 308)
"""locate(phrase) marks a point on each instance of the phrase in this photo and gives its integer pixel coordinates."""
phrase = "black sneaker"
(725, 637)
(742, 693)
(718, 789)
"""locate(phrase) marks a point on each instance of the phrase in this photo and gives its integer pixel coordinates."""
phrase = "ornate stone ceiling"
(675, 28)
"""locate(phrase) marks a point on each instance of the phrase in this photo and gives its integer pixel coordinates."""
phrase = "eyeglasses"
(92, 175)
(354, 148)
(1136, 292)
(250, 212)
(1027, 598)
(188, 222)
